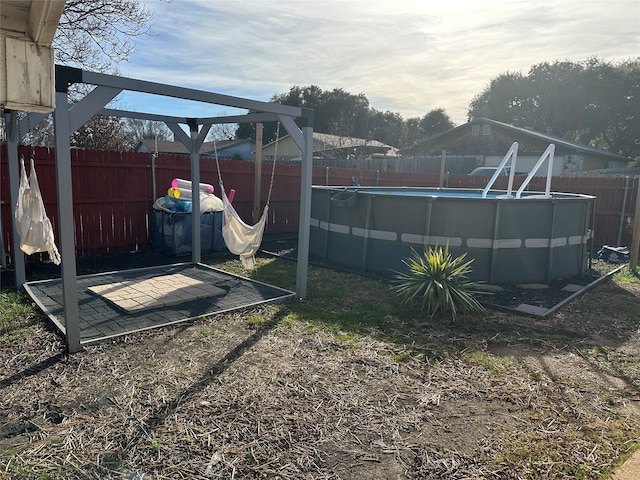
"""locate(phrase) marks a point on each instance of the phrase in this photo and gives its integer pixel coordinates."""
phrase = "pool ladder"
(512, 155)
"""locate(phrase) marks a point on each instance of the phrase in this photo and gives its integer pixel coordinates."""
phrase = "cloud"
(406, 56)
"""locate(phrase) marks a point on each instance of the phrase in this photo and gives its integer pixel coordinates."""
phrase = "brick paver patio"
(119, 303)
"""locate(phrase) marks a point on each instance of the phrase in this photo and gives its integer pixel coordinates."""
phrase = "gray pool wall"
(526, 240)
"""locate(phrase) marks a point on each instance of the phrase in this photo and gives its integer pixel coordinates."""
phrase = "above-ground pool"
(533, 239)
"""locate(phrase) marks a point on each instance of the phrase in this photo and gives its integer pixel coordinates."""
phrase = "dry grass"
(345, 385)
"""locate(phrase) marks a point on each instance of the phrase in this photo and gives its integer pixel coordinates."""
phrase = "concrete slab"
(533, 286)
(630, 470)
(161, 291)
(572, 287)
(532, 309)
(486, 287)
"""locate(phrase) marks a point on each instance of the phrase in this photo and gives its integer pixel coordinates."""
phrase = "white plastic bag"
(31, 222)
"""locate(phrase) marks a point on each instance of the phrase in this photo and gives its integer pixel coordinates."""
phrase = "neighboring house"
(242, 149)
(330, 146)
(488, 141)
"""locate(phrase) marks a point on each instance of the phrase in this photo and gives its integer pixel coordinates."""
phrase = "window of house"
(486, 129)
(475, 130)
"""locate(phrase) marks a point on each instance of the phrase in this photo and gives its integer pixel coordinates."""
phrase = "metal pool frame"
(532, 239)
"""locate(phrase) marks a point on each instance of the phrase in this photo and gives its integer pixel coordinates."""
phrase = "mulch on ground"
(282, 392)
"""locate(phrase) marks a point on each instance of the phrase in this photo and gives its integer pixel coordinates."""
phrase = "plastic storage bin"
(171, 234)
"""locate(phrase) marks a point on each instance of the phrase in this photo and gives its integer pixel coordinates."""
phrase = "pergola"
(68, 117)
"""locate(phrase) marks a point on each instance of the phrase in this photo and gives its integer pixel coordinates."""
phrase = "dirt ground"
(267, 393)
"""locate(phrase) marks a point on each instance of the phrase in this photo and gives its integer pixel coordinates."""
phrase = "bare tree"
(96, 35)
(138, 130)
(102, 133)
(99, 34)
(224, 131)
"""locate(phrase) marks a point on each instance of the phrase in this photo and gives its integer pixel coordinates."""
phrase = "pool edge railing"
(512, 154)
(548, 153)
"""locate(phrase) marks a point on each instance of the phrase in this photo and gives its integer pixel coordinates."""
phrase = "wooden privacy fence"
(113, 194)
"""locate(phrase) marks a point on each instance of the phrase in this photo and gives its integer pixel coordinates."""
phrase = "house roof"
(528, 133)
(35, 21)
(165, 146)
(324, 142)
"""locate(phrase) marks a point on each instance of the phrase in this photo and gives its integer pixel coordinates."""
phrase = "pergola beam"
(154, 117)
(81, 112)
(296, 134)
(144, 86)
(261, 117)
(179, 134)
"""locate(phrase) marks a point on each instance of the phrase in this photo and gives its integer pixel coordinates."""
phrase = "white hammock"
(242, 239)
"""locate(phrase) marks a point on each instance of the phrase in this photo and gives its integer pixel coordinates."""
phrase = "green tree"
(345, 114)
(554, 94)
(338, 112)
(387, 127)
(594, 102)
(414, 131)
(612, 112)
(502, 100)
(419, 130)
(436, 121)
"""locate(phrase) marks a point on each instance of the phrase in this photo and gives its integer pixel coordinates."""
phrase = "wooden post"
(257, 178)
(443, 160)
(635, 239)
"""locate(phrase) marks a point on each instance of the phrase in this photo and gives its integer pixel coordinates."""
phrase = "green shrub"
(438, 282)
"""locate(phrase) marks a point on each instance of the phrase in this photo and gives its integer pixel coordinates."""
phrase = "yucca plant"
(438, 282)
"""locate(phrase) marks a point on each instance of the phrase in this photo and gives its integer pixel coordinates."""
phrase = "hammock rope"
(241, 238)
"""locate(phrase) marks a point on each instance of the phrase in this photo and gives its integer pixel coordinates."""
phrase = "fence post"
(443, 161)
(257, 176)
(635, 239)
(624, 205)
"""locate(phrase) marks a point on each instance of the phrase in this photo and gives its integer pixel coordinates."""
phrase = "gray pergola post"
(194, 148)
(304, 228)
(11, 125)
(66, 120)
(65, 222)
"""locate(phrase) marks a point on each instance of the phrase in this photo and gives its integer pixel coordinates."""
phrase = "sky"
(406, 56)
